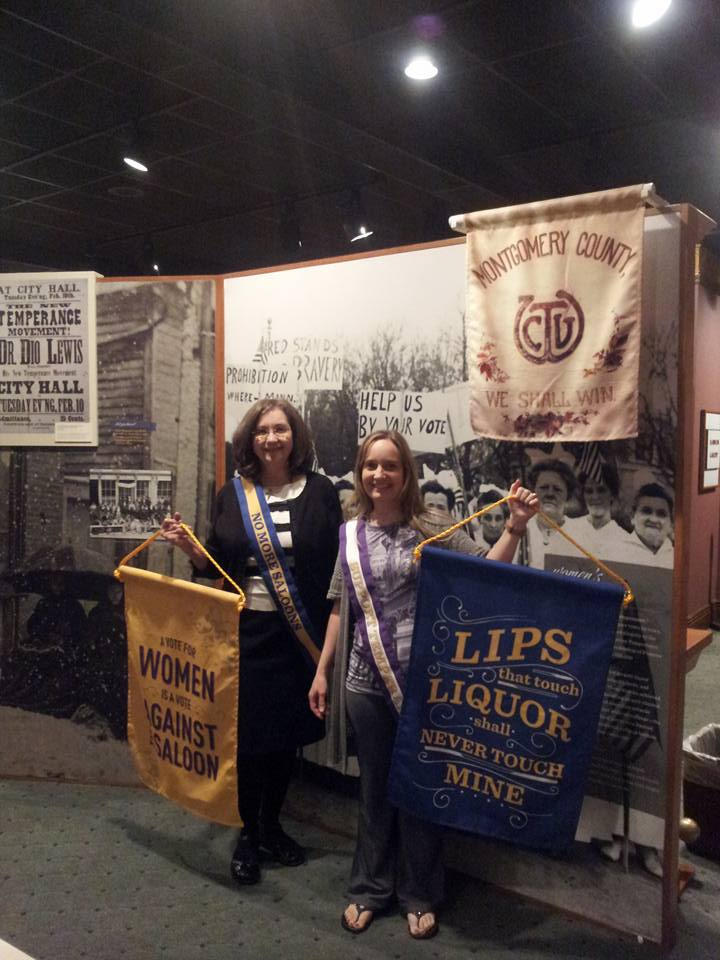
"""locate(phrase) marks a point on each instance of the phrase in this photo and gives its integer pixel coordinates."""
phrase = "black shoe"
(282, 848)
(245, 863)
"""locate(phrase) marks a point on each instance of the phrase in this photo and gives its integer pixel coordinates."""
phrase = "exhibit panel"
(380, 342)
(377, 341)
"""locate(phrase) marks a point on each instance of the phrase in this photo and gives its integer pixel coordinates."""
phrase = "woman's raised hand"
(523, 504)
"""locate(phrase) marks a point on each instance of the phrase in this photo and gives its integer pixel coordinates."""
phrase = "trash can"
(701, 786)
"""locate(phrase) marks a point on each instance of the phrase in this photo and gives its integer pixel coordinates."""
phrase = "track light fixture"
(135, 153)
(354, 218)
(149, 263)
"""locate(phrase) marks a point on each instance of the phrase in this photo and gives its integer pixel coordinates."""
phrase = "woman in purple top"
(397, 855)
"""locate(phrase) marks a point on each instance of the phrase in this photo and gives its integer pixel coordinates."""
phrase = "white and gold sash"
(374, 631)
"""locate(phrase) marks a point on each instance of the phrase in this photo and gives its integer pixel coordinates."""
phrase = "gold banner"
(553, 317)
(183, 691)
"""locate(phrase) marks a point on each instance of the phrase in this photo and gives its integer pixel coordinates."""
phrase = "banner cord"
(188, 531)
(628, 596)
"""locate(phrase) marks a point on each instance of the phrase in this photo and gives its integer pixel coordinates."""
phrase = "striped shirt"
(256, 593)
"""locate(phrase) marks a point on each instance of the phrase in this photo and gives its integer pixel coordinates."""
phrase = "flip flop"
(429, 931)
(360, 909)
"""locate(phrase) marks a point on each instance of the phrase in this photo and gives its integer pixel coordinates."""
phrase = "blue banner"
(506, 679)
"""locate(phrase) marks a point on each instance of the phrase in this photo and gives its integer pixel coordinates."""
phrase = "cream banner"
(553, 317)
(183, 691)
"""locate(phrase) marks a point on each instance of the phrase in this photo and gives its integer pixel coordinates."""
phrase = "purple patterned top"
(390, 549)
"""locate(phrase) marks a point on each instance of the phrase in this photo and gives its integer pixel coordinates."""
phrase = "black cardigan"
(315, 518)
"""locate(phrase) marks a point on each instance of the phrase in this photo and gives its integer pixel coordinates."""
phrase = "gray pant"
(397, 855)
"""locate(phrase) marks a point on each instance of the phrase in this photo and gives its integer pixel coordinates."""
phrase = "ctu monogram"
(548, 331)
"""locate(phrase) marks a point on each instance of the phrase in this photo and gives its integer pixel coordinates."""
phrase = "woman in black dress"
(273, 454)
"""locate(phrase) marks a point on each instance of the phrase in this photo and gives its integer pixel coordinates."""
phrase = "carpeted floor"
(116, 872)
(701, 690)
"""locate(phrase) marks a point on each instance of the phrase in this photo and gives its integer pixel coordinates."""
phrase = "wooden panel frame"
(219, 382)
(694, 225)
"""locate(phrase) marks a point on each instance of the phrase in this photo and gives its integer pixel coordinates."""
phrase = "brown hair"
(492, 496)
(656, 491)
(244, 459)
(410, 501)
(551, 465)
(432, 486)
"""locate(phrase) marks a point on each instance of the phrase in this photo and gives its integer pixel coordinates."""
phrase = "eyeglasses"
(281, 432)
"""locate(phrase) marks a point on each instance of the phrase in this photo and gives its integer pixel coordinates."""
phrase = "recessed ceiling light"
(421, 68)
(645, 12)
(135, 164)
(355, 221)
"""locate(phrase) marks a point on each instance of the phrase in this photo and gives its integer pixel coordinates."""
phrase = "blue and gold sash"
(273, 565)
(375, 633)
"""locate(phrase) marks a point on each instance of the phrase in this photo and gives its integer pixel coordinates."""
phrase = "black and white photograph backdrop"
(379, 342)
(72, 514)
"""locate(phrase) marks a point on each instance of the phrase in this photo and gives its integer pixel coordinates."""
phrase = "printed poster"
(48, 376)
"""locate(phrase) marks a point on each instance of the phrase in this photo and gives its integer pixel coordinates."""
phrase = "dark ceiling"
(255, 111)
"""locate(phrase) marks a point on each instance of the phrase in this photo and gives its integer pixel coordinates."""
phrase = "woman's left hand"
(523, 504)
